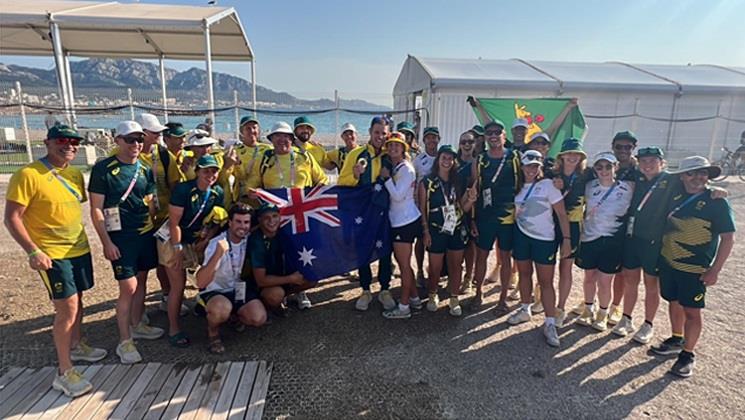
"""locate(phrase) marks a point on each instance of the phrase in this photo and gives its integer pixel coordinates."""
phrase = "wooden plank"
(99, 396)
(207, 406)
(155, 398)
(121, 388)
(22, 392)
(11, 374)
(48, 399)
(32, 392)
(243, 392)
(258, 395)
(191, 406)
(222, 407)
(136, 390)
(62, 400)
(15, 385)
(75, 405)
(182, 393)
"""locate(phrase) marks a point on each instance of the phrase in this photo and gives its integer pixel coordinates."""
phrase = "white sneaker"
(86, 353)
(552, 336)
(302, 301)
(146, 332)
(514, 294)
(454, 304)
(561, 318)
(520, 316)
(536, 308)
(72, 383)
(385, 298)
(623, 328)
(416, 303)
(644, 335)
(579, 309)
(363, 302)
(601, 320)
(128, 353)
(397, 313)
(586, 317)
(433, 302)
(614, 315)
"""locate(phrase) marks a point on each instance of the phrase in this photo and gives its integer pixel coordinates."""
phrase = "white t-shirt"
(604, 211)
(535, 216)
(229, 268)
(423, 165)
(401, 186)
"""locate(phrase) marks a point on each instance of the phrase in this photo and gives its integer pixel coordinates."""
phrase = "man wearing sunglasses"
(519, 131)
(249, 153)
(122, 210)
(44, 215)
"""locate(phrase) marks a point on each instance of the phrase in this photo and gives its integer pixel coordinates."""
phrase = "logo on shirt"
(115, 172)
(698, 297)
(700, 205)
(194, 198)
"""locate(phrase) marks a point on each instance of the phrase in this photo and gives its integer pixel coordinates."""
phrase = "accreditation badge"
(487, 197)
(240, 292)
(450, 219)
(164, 232)
(112, 220)
(630, 226)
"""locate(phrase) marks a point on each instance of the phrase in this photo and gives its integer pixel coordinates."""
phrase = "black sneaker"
(683, 367)
(669, 347)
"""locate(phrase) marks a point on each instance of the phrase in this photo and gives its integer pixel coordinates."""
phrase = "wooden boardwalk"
(225, 390)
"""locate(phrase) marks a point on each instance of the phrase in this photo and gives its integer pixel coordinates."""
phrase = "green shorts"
(685, 288)
(138, 253)
(574, 234)
(442, 242)
(68, 276)
(536, 250)
(203, 297)
(642, 253)
(491, 230)
(603, 254)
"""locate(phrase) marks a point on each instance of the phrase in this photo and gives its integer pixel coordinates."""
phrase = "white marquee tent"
(655, 101)
(116, 30)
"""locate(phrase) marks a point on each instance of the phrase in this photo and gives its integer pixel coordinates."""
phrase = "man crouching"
(222, 292)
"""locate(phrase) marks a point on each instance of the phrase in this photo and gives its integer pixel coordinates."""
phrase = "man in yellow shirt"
(284, 166)
(304, 130)
(44, 215)
(249, 154)
(335, 158)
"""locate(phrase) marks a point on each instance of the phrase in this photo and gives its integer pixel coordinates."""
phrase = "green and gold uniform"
(689, 245)
(574, 203)
(53, 219)
(495, 218)
(250, 157)
(375, 161)
(111, 178)
(318, 152)
(267, 253)
(338, 156)
(439, 195)
(197, 205)
(166, 173)
(295, 169)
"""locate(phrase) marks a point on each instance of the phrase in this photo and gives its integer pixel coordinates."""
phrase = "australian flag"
(330, 230)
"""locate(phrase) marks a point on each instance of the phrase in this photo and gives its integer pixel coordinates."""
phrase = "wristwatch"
(178, 247)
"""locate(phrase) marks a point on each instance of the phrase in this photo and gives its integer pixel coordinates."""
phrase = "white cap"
(541, 135)
(280, 127)
(520, 122)
(609, 156)
(126, 128)
(531, 157)
(197, 137)
(348, 126)
(150, 123)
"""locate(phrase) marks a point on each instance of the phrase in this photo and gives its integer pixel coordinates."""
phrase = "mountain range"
(102, 77)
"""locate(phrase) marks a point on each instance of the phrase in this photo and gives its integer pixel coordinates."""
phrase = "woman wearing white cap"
(535, 242)
(601, 240)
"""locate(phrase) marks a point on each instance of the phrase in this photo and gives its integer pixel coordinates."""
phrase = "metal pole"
(635, 118)
(208, 58)
(237, 117)
(336, 130)
(70, 91)
(253, 85)
(131, 104)
(24, 122)
(59, 65)
(715, 132)
(163, 86)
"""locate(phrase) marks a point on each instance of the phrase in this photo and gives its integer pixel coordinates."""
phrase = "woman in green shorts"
(535, 243)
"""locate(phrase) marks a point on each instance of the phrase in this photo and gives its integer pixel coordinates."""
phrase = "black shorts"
(204, 297)
(138, 253)
(68, 276)
(603, 254)
(407, 233)
(685, 288)
(642, 253)
(574, 234)
(442, 242)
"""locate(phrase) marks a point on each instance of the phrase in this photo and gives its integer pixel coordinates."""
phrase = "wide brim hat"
(198, 138)
(396, 137)
(299, 121)
(571, 145)
(694, 163)
(280, 127)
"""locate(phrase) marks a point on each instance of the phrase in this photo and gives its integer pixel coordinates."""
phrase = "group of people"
(172, 200)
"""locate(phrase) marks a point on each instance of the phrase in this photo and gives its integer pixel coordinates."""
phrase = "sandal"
(215, 345)
(179, 340)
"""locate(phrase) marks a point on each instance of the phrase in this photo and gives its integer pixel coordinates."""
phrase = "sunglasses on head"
(494, 132)
(133, 139)
(533, 158)
(697, 172)
(625, 147)
(601, 166)
(64, 141)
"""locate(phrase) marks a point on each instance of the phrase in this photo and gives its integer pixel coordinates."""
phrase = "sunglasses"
(495, 132)
(67, 141)
(601, 167)
(133, 139)
(467, 142)
(626, 147)
(540, 142)
(698, 172)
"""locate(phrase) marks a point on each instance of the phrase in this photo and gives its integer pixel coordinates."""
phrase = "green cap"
(405, 126)
(493, 122)
(572, 145)
(303, 120)
(625, 135)
(207, 161)
(478, 130)
(247, 119)
(61, 131)
(650, 151)
(446, 148)
(431, 130)
(175, 130)
(265, 207)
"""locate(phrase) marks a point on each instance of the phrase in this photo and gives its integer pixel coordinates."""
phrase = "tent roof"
(132, 30)
(420, 73)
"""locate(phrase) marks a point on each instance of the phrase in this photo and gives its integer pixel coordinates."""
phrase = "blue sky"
(310, 48)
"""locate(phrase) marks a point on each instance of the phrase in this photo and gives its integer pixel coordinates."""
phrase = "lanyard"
(253, 160)
(571, 183)
(603, 198)
(201, 208)
(62, 180)
(445, 196)
(683, 204)
(527, 195)
(131, 183)
(235, 269)
(292, 170)
(499, 169)
(648, 194)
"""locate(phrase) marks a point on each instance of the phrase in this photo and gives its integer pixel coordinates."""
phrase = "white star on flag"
(306, 256)
(378, 244)
(358, 220)
(378, 187)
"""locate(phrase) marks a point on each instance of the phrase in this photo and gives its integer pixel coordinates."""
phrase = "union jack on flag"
(299, 207)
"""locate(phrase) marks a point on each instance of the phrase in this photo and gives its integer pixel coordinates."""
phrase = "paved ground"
(335, 362)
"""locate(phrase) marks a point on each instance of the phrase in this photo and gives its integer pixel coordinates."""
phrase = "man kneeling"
(222, 293)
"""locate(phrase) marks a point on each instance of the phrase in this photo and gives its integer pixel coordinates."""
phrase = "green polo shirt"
(267, 253)
(190, 198)
(649, 220)
(503, 188)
